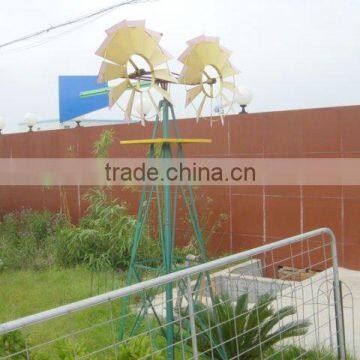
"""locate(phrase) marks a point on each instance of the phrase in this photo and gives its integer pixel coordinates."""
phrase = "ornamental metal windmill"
(136, 61)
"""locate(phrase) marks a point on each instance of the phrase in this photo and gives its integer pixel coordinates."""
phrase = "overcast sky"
(292, 53)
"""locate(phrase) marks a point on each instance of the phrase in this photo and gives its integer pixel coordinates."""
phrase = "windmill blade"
(229, 85)
(130, 106)
(203, 38)
(117, 91)
(192, 93)
(222, 119)
(159, 56)
(162, 92)
(227, 102)
(211, 53)
(164, 74)
(116, 48)
(125, 24)
(194, 61)
(190, 76)
(199, 111)
(143, 43)
(109, 71)
(228, 70)
(211, 90)
(142, 116)
(154, 104)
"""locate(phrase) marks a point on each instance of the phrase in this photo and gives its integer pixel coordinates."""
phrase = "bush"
(13, 343)
(139, 348)
(28, 239)
(102, 240)
(104, 236)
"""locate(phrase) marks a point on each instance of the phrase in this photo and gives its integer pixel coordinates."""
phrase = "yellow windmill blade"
(200, 108)
(130, 105)
(163, 92)
(190, 76)
(127, 23)
(228, 70)
(116, 48)
(142, 43)
(229, 85)
(109, 71)
(142, 116)
(159, 56)
(192, 60)
(192, 94)
(211, 53)
(154, 104)
(116, 92)
(165, 74)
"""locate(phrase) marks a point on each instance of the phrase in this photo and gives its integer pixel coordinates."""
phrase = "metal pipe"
(168, 278)
(340, 331)
(166, 153)
(190, 258)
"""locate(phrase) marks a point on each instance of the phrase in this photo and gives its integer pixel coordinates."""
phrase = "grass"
(27, 292)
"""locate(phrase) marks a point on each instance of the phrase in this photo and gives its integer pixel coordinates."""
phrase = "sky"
(292, 54)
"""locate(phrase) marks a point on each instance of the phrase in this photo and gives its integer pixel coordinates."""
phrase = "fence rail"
(260, 302)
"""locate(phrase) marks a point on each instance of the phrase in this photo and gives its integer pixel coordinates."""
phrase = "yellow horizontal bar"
(165, 140)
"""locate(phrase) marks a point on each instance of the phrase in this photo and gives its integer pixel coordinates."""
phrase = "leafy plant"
(28, 238)
(104, 236)
(295, 352)
(139, 348)
(102, 146)
(67, 350)
(209, 224)
(13, 343)
(228, 331)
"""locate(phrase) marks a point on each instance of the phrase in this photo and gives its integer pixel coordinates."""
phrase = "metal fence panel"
(277, 301)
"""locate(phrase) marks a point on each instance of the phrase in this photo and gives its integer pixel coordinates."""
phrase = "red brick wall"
(257, 214)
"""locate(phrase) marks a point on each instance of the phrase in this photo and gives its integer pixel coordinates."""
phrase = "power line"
(70, 22)
(54, 37)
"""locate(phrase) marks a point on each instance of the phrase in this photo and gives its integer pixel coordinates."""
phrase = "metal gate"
(263, 303)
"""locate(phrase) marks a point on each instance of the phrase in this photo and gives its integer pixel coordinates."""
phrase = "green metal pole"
(143, 209)
(168, 240)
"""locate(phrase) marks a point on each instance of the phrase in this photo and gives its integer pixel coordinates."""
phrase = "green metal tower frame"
(166, 204)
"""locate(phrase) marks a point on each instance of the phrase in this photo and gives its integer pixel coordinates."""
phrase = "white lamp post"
(30, 121)
(2, 124)
(243, 98)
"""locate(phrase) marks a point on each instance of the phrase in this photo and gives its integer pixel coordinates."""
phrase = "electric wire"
(89, 17)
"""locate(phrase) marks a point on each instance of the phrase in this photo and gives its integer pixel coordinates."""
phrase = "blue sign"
(71, 105)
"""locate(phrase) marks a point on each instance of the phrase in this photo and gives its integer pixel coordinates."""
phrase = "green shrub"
(103, 237)
(295, 352)
(139, 348)
(102, 240)
(13, 343)
(28, 239)
(62, 350)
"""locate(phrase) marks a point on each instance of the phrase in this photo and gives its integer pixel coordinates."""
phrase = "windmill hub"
(211, 81)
